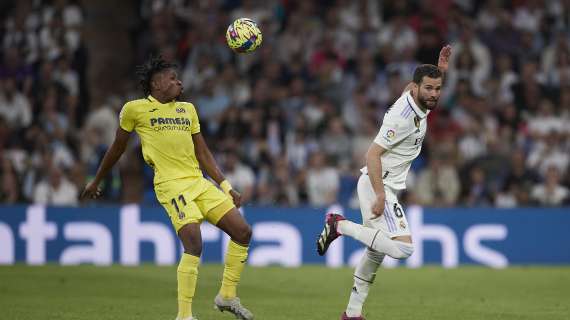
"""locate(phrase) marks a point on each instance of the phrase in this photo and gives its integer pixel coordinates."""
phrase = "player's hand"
(443, 61)
(92, 191)
(236, 197)
(378, 205)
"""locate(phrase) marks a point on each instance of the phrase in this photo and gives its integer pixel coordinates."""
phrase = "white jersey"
(401, 134)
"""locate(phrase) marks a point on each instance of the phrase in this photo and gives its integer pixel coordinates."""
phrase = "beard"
(428, 104)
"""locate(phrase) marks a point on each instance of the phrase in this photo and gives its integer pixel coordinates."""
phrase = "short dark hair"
(147, 70)
(428, 70)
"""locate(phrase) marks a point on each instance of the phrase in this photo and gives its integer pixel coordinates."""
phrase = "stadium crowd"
(290, 123)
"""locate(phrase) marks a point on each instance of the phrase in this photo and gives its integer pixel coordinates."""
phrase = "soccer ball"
(243, 35)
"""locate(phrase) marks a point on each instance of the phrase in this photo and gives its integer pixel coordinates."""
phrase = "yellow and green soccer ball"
(243, 35)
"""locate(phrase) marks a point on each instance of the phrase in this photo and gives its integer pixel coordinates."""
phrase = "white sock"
(364, 276)
(376, 239)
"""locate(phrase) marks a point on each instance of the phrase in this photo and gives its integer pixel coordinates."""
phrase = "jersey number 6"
(398, 211)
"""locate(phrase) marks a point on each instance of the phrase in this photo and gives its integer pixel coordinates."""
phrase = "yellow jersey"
(166, 133)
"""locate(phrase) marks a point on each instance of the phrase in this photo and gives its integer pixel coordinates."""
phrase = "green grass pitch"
(308, 293)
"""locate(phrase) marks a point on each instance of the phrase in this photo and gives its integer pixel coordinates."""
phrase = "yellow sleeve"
(195, 121)
(127, 118)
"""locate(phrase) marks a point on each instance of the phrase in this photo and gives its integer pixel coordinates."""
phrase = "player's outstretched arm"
(443, 60)
(207, 161)
(111, 157)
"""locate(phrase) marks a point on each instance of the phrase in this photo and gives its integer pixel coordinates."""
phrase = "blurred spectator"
(276, 187)
(493, 163)
(103, 119)
(66, 76)
(10, 190)
(528, 16)
(545, 121)
(430, 42)
(559, 76)
(438, 185)
(397, 36)
(549, 152)
(14, 106)
(240, 176)
(550, 192)
(489, 15)
(249, 9)
(470, 61)
(517, 184)
(299, 146)
(561, 43)
(56, 189)
(518, 173)
(322, 181)
(507, 198)
(471, 144)
(211, 104)
(336, 142)
(477, 192)
(507, 78)
(530, 88)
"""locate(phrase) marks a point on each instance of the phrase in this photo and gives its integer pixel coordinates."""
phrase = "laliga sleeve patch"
(390, 134)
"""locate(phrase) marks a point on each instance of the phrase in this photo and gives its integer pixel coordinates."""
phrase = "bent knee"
(243, 235)
(247, 233)
(194, 249)
(405, 250)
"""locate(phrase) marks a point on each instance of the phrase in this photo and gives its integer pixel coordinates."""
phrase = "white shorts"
(393, 222)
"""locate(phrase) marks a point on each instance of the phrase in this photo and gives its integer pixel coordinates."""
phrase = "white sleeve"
(391, 133)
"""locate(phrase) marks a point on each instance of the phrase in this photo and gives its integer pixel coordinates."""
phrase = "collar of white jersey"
(412, 103)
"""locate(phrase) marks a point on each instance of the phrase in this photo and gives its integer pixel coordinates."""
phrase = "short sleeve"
(195, 124)
(391, 133)
(127, 118)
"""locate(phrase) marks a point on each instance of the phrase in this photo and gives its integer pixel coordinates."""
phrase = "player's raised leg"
(240, 233)
(386, 234)
(336, 225)
(329, 233)
(187, 272)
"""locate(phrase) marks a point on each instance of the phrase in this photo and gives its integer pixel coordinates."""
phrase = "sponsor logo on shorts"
(402, 225)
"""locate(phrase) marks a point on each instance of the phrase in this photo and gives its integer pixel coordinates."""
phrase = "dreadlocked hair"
(152, 66)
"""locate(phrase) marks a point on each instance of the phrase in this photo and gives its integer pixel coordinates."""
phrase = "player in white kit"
(384, 229)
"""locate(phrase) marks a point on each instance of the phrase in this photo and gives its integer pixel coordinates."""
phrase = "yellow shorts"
(198, 200)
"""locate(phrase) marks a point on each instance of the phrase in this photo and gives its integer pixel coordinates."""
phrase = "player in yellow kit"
(174, 147)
